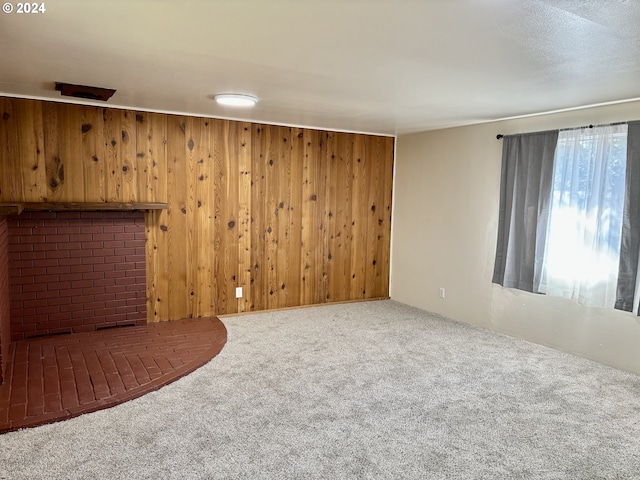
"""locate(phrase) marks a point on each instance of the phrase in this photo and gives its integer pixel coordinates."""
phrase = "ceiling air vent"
(84, 91)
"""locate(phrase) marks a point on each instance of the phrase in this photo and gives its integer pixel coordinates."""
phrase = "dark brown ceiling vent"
(84, 91)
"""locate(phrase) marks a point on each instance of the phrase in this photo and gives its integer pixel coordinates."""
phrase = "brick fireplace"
(5, 302)
(74, 271)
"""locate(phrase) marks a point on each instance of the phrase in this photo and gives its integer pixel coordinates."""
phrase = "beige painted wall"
(446, 197)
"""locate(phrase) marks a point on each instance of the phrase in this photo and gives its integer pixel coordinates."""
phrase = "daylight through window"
(582, 250)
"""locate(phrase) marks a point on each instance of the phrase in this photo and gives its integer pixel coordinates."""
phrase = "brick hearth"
(63, 376)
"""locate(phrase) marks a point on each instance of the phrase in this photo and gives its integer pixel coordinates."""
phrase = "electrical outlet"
(441, 292)
(238, 292)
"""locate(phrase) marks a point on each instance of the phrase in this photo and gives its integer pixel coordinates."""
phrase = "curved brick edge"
(212, 339)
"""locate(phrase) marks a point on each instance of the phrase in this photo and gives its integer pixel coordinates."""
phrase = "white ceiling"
(377, 66)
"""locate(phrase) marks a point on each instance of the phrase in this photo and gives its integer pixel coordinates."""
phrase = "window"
(582, 250)
(569, 221)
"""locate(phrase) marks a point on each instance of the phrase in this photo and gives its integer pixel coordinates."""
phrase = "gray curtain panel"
(525, 195)
(630, 245)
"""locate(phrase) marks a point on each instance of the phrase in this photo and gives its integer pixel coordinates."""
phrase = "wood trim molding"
(10, 209)
(17, 208)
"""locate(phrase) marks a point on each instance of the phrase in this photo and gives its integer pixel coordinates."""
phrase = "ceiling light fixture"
(236, 100)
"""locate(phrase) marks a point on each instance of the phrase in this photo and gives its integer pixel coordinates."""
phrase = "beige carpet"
(364, 390)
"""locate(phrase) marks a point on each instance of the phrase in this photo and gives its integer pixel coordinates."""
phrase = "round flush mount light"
(236, 100)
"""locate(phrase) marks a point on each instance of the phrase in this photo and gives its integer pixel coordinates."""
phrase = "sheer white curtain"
(582, 248)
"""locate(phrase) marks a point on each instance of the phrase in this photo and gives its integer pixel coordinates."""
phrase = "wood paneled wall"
(294, 216)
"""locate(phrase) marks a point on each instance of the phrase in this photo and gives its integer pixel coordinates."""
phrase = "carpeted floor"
(363, 390)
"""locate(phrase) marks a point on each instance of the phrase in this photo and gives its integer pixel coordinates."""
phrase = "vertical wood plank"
(151, 156)
(93, 156)
(258, 281)
(311, 269)
(128, 163)
(375, 221)
(218, 140)
(321, 237)
(31, 152)
(331, 259)
(244, 217)
(234, 148)
(177, 252)
(271, 219)
(360, 223)
(193, 223)
(113, 137)
(281, 210)
(151, 147)
(71, 168)
(344, 197)
(51, 122)
(385, 231)
(201, 245)
(225, 219)
(11, 181)
(157, 281)
(295, 187)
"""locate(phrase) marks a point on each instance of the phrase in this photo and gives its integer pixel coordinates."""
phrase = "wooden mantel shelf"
(19, 207)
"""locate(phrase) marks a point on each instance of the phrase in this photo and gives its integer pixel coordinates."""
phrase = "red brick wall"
(75, 272)
(5, 324)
